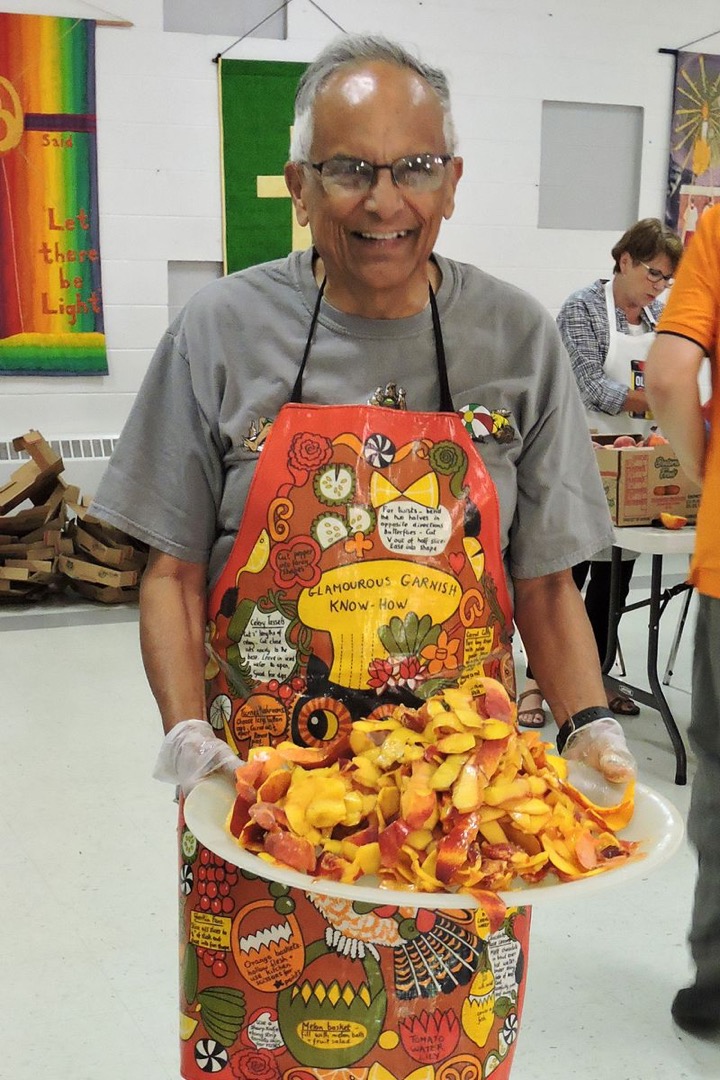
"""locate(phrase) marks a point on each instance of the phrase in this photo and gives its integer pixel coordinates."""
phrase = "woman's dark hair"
(645, 240)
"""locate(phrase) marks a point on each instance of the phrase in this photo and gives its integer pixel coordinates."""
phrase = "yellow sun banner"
(694, 167)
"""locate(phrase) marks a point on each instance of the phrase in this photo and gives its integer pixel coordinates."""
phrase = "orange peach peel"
(450, 796)
(673, 521)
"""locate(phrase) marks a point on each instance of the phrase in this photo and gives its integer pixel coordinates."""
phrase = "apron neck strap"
(296, 396)
(446, 404)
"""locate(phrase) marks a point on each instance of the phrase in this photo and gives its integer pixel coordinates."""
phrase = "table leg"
(615, 612)
(672, 656)
(652, 672)
(655, 698)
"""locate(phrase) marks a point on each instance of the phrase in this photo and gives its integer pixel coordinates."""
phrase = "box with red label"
(641, 482)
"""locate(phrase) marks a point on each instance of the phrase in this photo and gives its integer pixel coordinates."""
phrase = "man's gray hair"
(352, 49)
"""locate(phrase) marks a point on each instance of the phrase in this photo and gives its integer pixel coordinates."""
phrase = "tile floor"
(87, 894)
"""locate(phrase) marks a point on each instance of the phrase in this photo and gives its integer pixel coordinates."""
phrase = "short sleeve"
(692, 307)
(561, 516)
(163, 483)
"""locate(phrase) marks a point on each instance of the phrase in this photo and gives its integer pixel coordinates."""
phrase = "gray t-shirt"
(180, 474)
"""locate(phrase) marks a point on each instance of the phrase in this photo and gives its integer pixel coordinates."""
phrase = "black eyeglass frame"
(656, 275)
(443, 159)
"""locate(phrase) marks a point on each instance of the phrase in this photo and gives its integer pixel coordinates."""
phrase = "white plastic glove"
(191, 751)
(601, 745)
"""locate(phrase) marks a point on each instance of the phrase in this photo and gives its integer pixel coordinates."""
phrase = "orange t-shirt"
(693, 311)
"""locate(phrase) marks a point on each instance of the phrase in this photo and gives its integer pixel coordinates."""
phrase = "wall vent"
(69, 447)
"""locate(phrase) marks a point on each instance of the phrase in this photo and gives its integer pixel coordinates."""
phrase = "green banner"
(256, 113)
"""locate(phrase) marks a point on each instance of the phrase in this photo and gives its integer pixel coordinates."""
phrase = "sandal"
(531, 718)
(623, 705)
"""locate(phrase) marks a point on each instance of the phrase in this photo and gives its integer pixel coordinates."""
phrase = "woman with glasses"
(606, 327)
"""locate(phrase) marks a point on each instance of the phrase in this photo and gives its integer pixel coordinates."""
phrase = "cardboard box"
(35, 478)
(106, 594)
(100, 575)
(120, 557)
(641, 482)
(23, 521)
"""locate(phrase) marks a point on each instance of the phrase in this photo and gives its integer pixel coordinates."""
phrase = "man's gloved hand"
(601, 745)
(191, 751)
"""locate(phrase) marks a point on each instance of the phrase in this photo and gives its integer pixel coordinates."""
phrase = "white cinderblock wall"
(158, 148)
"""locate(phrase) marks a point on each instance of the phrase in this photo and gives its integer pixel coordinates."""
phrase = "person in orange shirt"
(689, 330)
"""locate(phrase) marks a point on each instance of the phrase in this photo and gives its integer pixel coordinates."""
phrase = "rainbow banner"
(51, 319)
(256, 113)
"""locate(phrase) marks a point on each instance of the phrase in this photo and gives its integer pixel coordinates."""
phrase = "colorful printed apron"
(367, 571)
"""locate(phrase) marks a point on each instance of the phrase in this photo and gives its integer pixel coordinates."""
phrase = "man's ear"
(456, 167)
(295, 180)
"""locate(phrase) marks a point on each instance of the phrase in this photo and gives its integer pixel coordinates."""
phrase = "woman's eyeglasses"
(656, 275)
(417, 172)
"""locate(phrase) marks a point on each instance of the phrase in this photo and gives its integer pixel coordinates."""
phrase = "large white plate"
(656, 823)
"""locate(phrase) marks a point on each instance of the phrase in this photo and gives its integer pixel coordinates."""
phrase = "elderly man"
(366, 555)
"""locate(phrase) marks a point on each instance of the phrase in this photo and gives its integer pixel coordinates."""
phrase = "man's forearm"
(671, 381)
(682, 424)
(172, 636)
(551, 617)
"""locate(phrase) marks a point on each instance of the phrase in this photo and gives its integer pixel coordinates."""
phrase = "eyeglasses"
(656, 275)
(417, 172)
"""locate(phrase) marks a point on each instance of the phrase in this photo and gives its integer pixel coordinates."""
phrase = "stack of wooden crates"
(54, 543)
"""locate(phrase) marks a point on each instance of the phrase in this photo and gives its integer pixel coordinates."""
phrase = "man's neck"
(380, 303)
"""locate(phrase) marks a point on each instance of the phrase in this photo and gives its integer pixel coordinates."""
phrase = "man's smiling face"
(375, 245)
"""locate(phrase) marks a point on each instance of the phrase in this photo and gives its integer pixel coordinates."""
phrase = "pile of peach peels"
(451, 796)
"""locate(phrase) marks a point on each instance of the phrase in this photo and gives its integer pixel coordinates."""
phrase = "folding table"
(657, 542)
